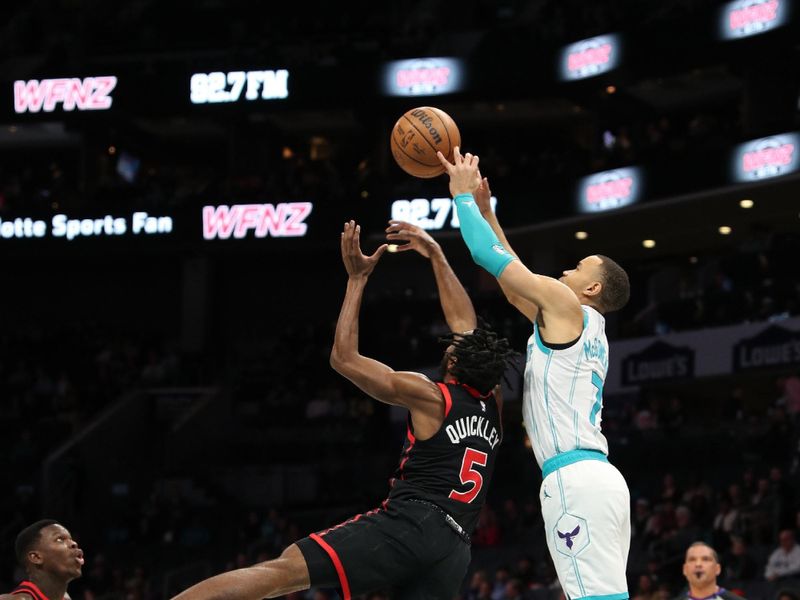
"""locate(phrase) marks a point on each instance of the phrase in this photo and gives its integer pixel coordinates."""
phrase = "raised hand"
(356, 263)
(463, 171)
(483, 196)
(416, 238)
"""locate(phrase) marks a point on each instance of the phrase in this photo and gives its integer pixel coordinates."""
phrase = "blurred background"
(173, 179)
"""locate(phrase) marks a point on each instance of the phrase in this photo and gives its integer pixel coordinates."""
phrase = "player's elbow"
(340, 360)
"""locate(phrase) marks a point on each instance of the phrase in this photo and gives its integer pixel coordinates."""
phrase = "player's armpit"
(554, 299)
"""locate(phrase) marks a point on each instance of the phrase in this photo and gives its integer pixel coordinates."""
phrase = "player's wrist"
(463, 196)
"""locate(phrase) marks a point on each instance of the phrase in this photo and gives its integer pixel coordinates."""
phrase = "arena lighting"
(590, 57)
(611, 89)
(766, 157)
(89, 93)
(581, 235)
(724, 230)
(423, 77)
(746, 203)
(431, 214)
(218, 87)
(264, 220)
(649, 243)
(744, 18)
(608, 190)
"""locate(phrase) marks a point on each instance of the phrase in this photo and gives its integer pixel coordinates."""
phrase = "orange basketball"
(416, 137)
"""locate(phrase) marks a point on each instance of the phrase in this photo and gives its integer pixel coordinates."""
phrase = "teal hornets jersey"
(562, 401)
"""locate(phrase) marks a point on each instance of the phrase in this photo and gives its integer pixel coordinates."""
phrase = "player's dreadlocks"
(480, 358)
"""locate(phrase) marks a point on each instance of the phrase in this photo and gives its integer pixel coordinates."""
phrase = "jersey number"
(597, 382)
(470, 476)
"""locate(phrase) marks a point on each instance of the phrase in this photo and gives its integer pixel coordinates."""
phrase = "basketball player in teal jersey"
(585, 500)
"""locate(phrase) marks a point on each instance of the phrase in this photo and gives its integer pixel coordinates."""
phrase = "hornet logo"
(569, 536)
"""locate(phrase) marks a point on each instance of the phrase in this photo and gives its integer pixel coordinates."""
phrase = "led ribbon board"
(423, 77)
(433, 215)
(744, 18)
(767, 157)
(224, 222)
(218, 87)
(591, 57)
(608, 190)
(69, 94)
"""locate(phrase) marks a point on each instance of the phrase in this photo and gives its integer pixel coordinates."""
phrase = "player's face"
(700, 568)
(58, 553)
(586, 272)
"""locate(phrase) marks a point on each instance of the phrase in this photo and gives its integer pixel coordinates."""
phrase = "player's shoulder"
(726, 595)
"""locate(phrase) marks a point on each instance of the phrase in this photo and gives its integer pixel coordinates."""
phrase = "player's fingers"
(400, 235)
(356, 237)
(457, 158)
(379, 252)
(475, 160)
(404, 248)
(397, 226)
(445, 163)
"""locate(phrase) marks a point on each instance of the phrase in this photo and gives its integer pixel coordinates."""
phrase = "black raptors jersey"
(453, 468)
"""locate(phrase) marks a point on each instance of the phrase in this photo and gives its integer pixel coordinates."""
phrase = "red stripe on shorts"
(336, 563)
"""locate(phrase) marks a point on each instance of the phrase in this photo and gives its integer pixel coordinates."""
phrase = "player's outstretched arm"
(412, 390)
(556, 302)
(456, 305)
(483, 197)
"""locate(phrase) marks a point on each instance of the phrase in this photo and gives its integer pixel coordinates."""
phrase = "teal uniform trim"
(559, 461)
(621, 596)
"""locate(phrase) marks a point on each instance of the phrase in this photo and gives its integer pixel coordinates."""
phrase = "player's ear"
(718, 570)
(593, 289)
(35, 557)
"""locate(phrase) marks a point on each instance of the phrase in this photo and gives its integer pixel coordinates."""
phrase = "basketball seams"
(424, 136)
(439, 113)
(407, 155)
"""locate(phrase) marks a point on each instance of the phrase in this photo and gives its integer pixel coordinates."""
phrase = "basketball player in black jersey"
(50, 558)
(417, 541)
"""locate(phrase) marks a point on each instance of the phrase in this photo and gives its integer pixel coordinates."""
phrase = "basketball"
(418, 135)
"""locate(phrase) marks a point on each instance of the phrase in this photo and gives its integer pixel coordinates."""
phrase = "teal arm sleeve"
(486, 249)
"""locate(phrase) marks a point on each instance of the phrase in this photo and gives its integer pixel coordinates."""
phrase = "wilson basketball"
(416, 137)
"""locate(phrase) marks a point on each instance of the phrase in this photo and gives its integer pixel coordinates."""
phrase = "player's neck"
(52, 587)
(703, 591)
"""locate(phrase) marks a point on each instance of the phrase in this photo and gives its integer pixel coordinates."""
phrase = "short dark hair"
(480, 358)
(28, 537)
(616, 286)
(698, 543)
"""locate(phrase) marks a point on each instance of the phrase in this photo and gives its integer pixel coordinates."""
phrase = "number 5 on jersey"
(469, 476)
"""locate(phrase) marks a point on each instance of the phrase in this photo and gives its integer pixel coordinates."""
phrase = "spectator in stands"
(784, 561)
(701, 568)
(739, 563)
(645, 590)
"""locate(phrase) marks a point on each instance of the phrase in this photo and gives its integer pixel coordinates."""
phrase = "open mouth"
(79, 558)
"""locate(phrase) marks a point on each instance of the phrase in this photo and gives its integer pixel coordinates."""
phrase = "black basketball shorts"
(407, 547)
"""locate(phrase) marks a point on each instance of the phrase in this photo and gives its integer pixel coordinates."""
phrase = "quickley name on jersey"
(473, 426)
(563, 391)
